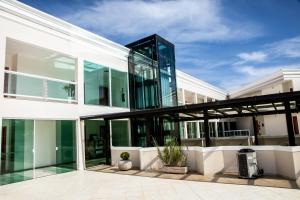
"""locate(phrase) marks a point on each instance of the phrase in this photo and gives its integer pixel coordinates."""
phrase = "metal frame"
(282, 103)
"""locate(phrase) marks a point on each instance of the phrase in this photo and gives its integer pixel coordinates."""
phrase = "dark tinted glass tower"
(152, 84)
(162, 55)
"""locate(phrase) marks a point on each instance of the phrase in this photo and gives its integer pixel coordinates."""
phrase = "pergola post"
(255, 128)
(206, 128)
(107, 141)
(289, 123)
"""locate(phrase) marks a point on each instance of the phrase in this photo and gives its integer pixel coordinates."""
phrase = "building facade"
(52, 73)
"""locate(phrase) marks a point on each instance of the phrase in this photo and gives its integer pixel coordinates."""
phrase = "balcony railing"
(23, 85)
(234, 133)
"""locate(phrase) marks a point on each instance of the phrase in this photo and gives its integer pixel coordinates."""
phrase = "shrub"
(172, 154)
(125, 155)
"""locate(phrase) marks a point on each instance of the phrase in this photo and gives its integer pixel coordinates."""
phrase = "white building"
(285, 80)
(52, 73)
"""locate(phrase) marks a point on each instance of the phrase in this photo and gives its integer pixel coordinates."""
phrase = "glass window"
(66, 143)
(166, 60)
(212, 130)
(16, 146)
(32, 71)
(119, 88)
(53, 148)
(220, 129)
(191, 129)
(94, 142)
(201, 129)
(96, 84)
(119, 131)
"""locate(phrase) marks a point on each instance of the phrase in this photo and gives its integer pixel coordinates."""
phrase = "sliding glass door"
(16, 150)
(95, 143)
(36, 148)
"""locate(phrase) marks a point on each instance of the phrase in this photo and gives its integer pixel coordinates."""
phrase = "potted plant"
(125, 163)
(70, 90)
(172, 157)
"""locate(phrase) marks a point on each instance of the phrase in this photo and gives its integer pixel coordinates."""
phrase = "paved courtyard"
(90, 185)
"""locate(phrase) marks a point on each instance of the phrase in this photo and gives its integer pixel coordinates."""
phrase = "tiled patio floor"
(267, 181)
(91, 185)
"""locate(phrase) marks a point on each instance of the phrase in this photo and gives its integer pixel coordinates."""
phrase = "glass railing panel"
(23, 85)
(60, 90)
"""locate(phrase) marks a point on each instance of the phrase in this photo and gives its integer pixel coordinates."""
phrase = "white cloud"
(289, 47)
(177, 20)
(257, 56)
(256, 71)
(243, 75)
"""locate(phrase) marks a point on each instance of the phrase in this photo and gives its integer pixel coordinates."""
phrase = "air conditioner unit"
(247, 163)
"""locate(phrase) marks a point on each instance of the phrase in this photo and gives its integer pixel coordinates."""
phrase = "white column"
(198, 129)
(205, 99)
(185, 136)
(183, 97)
(109, 95)
(195, 97)
(2, 65)
(80, 81)
(216, 129)
(80, 144)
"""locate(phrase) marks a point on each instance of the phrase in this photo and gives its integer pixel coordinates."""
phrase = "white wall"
(45, 143)
(273, 89)
(275, 125)
(62, 38)
(275, 160)
(192, 84)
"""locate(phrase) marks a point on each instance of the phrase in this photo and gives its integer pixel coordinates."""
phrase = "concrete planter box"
(125, 165)
(174, 170)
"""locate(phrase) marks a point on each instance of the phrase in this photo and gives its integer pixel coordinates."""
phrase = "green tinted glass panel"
(96, 84)
(119, 88)
(119, 130)
(23, 85)
(16, 150)
(94, 142)
(61, 90)
(66, 143)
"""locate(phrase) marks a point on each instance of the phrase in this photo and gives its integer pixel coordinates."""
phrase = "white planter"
(124, 165)
(174, 170)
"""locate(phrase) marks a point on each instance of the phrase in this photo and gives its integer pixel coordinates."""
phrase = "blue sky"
(228, 43)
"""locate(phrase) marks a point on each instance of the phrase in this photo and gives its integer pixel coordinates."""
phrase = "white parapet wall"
(275, 160)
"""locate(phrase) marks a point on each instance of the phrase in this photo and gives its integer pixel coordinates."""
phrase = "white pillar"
(80, 81)
(80, 144)
(198, 129)
(205, 99)
(2, 65)
(195, 97)
(185, 136)
(216, 129)
(183, 97)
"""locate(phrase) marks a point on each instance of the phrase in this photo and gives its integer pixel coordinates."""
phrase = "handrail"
(44, 92)
(40, 77)
(227, 133)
